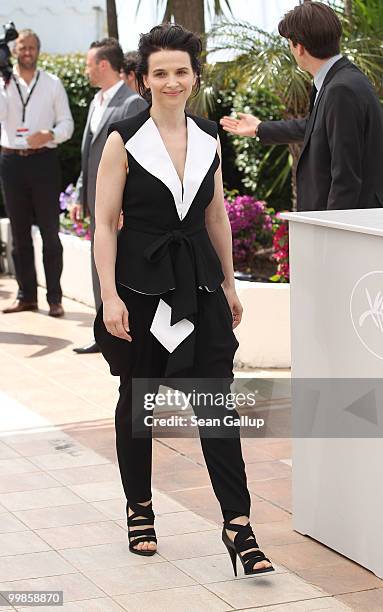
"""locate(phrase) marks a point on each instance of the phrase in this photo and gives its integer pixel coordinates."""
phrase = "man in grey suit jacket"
(114, 101)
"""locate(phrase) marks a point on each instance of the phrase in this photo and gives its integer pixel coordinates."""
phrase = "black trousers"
(31, 187)
(145, 357)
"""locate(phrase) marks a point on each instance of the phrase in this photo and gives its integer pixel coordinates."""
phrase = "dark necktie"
(313, 94)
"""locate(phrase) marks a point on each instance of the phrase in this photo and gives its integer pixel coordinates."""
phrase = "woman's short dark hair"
(315, 26)
(167, 36)
(109, 49)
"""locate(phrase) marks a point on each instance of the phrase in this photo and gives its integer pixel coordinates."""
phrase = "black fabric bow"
(180, 248)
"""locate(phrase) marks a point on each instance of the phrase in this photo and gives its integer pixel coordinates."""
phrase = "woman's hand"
(235, 306)
(116, 318)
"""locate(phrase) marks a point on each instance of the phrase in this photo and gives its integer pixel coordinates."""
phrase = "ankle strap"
(140, 510)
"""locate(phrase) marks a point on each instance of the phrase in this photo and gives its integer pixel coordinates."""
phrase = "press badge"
(21, 137)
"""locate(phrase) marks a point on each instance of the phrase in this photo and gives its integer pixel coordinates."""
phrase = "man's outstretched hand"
(245, 125)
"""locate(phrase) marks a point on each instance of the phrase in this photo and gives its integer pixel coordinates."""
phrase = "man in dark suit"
(340, 165)
(114, 101)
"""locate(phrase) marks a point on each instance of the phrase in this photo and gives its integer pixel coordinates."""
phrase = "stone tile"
(82, 535)
(176, 523)
(277, 490)
(106, 556)
(280, 449)
(9, 523)
(213, 568)
(264, 590)
(277, 533)
(182, 522)
(26, 482)
(364, 601)
(76, 514)
(198, 499)
(6, 452)
(101, 604)
(21, 542)
(265, 512)
(16, 466)
(346, 577)
(33, 565)
(114, 509)
(138, 579)
(185, 446)
(305, 555)
(98, 434)
(191, 545)
(75, 586)
(267, 470)
(253, 451)
(163, 503)
(79, 458)
(166, 461)
(287, 462)
(182, 599)
(99, 491)
(322, 603)
(183, 479)
(87, 474)
(39, 498)
(41, 443)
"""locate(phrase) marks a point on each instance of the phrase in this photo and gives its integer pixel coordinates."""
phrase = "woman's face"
(170, 77)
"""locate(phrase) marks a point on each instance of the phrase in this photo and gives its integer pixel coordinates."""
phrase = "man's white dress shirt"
(101, 101)
(47, 109)
(322, 72)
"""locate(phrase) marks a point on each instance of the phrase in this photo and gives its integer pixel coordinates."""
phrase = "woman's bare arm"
(111, 177)
(219, 230)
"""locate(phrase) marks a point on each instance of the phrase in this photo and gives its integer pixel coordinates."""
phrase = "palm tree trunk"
(348, 8)
(111, 13)
(190, 14)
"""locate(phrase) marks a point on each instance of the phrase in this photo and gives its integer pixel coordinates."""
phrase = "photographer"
(35, 117)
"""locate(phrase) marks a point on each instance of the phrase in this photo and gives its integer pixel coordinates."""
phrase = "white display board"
(337, 333)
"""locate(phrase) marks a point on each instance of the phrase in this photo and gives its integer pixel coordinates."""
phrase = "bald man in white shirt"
(35, 117)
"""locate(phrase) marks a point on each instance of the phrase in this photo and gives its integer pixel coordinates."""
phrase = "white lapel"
(148, 149)
(200, 155)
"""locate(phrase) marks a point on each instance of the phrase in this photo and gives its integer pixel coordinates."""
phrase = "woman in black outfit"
(167, 282)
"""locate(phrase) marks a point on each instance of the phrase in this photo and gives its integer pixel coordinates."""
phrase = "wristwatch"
(52, 132)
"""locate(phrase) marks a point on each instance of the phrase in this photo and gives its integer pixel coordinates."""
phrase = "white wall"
(64, 26)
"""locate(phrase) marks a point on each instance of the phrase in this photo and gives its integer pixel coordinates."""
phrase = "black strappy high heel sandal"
(146, 534)
(244, 539)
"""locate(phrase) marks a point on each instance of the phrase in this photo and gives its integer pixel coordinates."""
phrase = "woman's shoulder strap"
(207, 125)
(128, 127)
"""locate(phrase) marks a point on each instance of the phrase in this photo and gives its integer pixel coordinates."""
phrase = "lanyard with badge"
(23, 132)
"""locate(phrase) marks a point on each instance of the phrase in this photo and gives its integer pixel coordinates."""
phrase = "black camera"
(10, 33)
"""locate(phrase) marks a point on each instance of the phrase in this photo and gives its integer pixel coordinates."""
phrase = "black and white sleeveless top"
(164, 244)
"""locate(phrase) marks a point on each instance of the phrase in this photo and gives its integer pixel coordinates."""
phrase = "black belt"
(183, 299)
(24, 152)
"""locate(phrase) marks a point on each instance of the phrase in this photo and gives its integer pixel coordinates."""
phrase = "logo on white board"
(366, 309)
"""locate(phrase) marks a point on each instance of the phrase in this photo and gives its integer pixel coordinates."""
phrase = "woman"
(167, 282)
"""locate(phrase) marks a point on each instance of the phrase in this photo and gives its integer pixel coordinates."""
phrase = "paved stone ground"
(62, 521)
